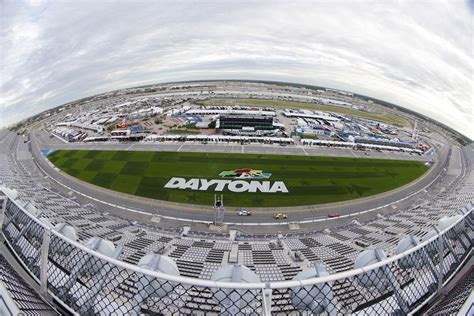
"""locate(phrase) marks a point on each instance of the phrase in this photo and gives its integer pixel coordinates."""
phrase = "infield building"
(232, 124)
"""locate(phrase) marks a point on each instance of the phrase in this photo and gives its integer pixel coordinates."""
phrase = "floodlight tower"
(218, 210)
(414, 134)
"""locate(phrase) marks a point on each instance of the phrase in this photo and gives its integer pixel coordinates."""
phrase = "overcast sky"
(418, 54)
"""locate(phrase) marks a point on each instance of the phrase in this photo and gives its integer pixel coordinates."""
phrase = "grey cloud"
(408, 53)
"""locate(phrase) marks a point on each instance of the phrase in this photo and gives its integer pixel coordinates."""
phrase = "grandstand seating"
(452, 302)
(201, 254)
(26, 299)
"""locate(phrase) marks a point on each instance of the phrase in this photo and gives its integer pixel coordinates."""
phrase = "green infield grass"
(309, 180)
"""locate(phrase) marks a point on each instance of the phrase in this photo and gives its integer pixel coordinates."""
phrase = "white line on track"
(242, 149)
(180, 147)
(64, 141)
(304, 150)
(129, 147)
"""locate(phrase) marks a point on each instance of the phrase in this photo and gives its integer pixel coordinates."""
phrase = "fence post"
(266, 301)
(2, 213)
(44, 263)
(441, 260)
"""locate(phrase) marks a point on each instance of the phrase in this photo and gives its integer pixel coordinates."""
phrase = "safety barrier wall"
(86, 281)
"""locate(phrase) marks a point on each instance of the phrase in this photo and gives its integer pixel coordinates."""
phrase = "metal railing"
(89, 282)
(7, 304)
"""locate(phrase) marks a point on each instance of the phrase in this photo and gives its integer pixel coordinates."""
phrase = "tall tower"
(218, 210)
(414, 134)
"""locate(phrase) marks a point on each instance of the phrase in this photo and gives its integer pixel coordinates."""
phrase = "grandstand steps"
(200, 301)
(139, 243)
(347, 294)
(393, 240)
(339, 264)
(289, 272)
(245, 246)
(233, 254)
(369, 240)
(141, 233)
(165, 239)
(117, 227)
(263, 257)
(203, 244)
(114, 237)
(178, 252)
(275, 246)
(156, 247)
(83, 236)
(190, 269)
(26, 299)
(339, 236)
(135, 257)
(215, 255)
(127, 287)
(281, 302)
(309, 254)
(310, 242)
(341, 249)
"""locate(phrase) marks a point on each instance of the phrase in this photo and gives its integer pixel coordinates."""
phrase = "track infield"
(309, 180)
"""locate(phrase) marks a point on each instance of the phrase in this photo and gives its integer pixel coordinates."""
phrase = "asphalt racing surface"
(144, 208)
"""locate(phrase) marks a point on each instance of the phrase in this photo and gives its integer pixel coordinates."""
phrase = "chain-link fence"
(91, 282)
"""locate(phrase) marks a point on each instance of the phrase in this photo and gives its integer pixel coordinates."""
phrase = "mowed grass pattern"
(310, 180)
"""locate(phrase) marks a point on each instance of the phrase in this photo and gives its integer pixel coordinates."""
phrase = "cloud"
(408, 53)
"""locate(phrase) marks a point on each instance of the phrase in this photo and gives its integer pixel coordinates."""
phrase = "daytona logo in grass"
(233, 186)
(245, 173)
